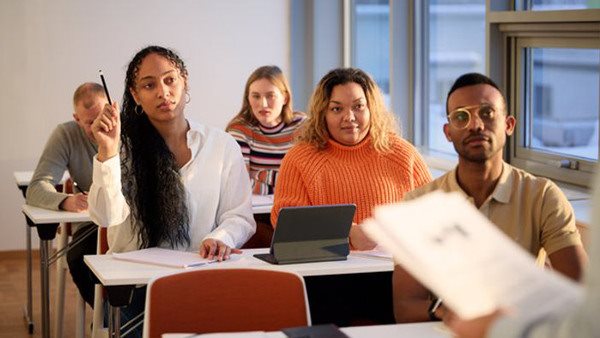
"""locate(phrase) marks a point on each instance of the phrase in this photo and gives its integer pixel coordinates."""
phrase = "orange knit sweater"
(348, 174)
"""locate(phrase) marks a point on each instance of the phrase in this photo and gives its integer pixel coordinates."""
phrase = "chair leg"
(61, 269)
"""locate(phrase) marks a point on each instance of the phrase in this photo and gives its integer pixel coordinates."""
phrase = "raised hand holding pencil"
(107, 128)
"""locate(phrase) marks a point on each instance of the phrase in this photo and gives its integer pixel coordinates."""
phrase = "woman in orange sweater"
(349, 152)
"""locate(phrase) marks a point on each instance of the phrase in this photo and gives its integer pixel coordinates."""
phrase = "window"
(371, 41)
(554, 5)
(551, 74)
(456, 46)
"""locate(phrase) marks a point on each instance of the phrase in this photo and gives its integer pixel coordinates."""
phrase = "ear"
(510, 125)
(447, 132)
(75, 117)
(134, 94)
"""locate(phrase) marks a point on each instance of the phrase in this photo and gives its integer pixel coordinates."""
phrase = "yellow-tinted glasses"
(461, 117)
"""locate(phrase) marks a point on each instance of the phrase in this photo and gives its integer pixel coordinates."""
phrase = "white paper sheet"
(164, 257)
(261, 200)
(447, 244)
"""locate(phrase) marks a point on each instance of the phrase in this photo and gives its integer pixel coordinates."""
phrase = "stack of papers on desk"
(448, 245)
(261, 200)
(164, 257)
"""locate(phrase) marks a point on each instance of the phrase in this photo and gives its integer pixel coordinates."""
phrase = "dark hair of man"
(472, 79)
(151, 181)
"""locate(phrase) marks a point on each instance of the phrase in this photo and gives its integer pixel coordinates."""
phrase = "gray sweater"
(68, 148)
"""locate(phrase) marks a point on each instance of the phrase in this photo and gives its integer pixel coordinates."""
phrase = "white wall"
(47, 48)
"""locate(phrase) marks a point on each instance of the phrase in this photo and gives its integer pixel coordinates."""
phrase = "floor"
(13, 297)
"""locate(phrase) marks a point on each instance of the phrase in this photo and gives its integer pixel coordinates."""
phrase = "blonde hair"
(276, 77)
(382, 122)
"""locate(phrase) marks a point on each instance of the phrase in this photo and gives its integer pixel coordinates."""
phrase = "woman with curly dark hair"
(183, 185)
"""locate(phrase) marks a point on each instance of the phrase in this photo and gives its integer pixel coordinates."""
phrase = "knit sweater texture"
(348, 174)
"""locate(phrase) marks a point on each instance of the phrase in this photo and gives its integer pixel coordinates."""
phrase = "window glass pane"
(371, 47)
(456, 46)
(565, 88)
(554, 5)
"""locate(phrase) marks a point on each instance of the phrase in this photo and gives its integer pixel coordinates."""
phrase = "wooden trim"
(19, 254)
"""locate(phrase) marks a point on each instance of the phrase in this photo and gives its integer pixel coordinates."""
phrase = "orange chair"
(225, 300)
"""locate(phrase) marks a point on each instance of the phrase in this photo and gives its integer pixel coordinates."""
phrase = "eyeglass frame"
(467, 109)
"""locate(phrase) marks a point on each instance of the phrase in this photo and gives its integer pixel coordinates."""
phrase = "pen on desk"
(105, 87)
(76, 187)
(437, 304)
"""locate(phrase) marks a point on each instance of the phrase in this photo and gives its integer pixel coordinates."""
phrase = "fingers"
(217, 250)
(108, 119)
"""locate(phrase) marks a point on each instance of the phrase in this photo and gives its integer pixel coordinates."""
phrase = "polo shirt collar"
(501, 193)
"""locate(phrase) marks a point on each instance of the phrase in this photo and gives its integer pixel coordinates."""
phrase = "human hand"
(107, 131)
(75, 203)
(473, 328)
(359, 239)
(215, 249)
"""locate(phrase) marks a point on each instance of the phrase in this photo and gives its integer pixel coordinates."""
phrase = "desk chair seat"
(225, 300)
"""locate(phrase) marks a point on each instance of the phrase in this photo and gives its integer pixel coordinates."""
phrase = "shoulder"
(70, 128)
(209, 134)
(440, 183)
(529, 181)
(537, 188)
(302, 150)
(403, 151)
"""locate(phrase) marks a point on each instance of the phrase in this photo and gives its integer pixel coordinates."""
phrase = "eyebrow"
(338, 102)
(150, 77)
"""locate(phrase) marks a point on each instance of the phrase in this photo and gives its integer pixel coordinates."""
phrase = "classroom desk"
(120, 277)
(413, 330)
(46, 222)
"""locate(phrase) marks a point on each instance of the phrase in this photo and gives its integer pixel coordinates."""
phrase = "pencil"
(105, 87)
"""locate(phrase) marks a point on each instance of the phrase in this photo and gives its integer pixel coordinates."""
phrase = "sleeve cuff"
(107, 173)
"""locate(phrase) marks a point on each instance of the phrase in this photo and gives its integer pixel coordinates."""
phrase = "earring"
(138, 109)
(188, 97)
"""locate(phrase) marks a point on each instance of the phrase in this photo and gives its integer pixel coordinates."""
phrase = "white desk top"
(45, 216)
(415, 330)
(113, 272)
(23, 177)
(262, 204)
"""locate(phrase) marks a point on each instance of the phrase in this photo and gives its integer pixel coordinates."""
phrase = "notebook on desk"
(311, 234)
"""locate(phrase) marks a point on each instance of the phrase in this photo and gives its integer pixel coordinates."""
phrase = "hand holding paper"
(445, 243)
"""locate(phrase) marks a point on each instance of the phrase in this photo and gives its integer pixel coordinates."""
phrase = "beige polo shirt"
(531, 210)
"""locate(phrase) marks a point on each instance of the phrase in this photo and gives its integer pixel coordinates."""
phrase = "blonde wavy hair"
(276, 77)
(382, 122)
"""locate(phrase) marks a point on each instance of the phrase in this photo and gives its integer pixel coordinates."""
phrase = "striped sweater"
(263, 148)
(349, 174)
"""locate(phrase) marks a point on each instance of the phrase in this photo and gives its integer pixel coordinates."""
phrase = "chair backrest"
(225, 300)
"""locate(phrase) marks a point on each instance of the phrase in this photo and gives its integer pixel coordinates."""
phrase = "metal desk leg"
(114, 321)
(118, 296)
(28, 310)
(44, 276)
(46, 232)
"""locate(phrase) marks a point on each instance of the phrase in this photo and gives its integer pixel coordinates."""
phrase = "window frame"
(510, 33)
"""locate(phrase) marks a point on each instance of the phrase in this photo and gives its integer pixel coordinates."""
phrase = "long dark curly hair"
(151, 181)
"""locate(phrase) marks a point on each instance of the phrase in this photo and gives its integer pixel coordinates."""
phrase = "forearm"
(43, 194)
(107, 205)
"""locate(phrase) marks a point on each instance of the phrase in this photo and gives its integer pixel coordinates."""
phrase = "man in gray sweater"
(71, 147)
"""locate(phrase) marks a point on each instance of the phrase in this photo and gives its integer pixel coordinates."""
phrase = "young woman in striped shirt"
(265, 126)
